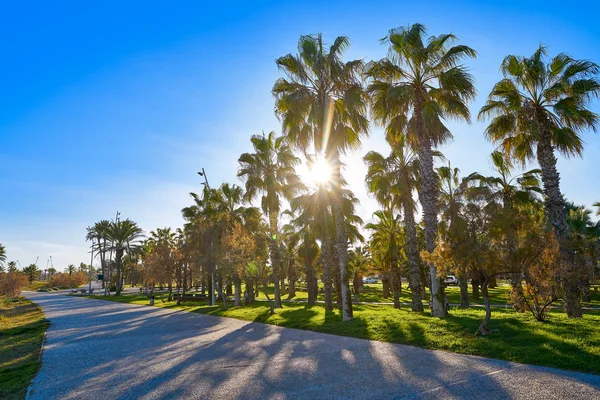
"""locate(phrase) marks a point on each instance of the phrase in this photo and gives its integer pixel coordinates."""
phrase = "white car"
(370, 280)
(451, 280)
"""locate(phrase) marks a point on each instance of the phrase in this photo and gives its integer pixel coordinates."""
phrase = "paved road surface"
(99, 349)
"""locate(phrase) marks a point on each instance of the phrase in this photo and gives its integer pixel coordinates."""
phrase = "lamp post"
(213, 299)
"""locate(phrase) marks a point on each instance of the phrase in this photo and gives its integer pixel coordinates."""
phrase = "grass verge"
(572, 344)
(22, 327)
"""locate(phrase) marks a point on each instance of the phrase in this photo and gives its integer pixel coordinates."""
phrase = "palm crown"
(321, 101)
(539, 94)
(420, 79)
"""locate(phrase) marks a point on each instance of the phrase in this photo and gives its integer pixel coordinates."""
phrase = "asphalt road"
(100, 349)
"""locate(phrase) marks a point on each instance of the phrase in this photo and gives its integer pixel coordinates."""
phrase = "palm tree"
(124, 236)
(512, 192)
(386, 240)
(585, 240)
(70, 269)
(392, 180)
(269, 172)
(32, 272)
(420, 84)
(359, 264)
(539, 107)
(12, 266)
(98, 233)
(2, 254)
(321, 103)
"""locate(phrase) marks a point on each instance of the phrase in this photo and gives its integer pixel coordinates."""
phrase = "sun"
(319, 171)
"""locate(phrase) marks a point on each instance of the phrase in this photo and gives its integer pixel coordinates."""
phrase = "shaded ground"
(104, 349)
(22, 327)
(559, 342)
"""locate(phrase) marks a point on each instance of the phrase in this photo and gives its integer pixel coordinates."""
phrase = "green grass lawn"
(22, 327)
(374, 293)
(559, 342)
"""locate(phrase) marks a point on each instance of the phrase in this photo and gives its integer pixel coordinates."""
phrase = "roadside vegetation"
(22, 327)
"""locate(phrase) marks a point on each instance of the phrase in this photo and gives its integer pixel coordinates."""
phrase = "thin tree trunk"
(428, 195)
(396, 281)
(275, 259)
(356, 283)
(464, 291)
(310, 276)
(483, 328)
(237, 286)
(412, 255)
(271, 304)
(557, 216)
(342, 245)
(516, 293)
(385, 281)
(326, 258)
(475, 283)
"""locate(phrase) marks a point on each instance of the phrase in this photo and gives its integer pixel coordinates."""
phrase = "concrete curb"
(27, 396)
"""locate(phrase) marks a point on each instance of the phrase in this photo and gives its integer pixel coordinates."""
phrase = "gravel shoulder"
(96, 348)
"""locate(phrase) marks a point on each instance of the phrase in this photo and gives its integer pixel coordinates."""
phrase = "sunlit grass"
(22, 327)
(560, 342)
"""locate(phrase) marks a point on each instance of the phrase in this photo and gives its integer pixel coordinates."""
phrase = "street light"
(212, 275)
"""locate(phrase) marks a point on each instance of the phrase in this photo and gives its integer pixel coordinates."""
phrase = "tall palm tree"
(540, 107)
(392, 180)
(321, 103)
(269, 172)
(386, 240)
(70, 269)
(420, 84)
(125, 237)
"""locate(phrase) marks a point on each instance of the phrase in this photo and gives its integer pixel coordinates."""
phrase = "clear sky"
(113, 106)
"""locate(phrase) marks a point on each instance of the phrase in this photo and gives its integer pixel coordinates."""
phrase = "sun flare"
(319, 171)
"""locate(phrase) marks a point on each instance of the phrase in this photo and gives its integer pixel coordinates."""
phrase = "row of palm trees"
(111, 242)
(326, 105)
(538, 109)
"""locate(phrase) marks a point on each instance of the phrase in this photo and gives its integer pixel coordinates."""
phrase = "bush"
(68, 281)
(11, 283)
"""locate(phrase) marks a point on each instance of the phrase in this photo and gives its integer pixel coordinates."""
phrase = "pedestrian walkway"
(101, 349)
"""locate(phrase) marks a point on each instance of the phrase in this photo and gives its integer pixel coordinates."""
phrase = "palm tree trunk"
(237, 284)
(275, 260)
(412, 254)
(341, 244)
(118, 267)
(292, 280)
(385, 282)
(310, 275)
(326, 257)
(557, 216)
(428, 195)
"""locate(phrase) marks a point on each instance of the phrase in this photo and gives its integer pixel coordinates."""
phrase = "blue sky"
(115, 106)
